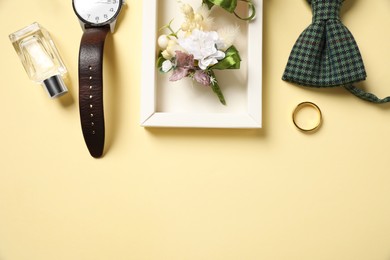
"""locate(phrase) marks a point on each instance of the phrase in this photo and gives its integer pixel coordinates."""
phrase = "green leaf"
(208, 3)
(228, 5)
(216, 89)
(232, 60)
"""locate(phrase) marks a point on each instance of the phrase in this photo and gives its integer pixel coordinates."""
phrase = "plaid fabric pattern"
(325, 54)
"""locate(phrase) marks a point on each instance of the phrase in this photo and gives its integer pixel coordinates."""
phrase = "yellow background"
(189, 194)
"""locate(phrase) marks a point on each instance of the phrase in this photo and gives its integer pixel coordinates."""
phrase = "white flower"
(203, 46)
(167, 66)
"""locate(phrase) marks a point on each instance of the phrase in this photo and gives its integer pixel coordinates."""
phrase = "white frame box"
(185, 104)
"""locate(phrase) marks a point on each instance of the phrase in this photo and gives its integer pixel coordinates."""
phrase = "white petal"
(167, 66)
(204, 63)
(219, 55)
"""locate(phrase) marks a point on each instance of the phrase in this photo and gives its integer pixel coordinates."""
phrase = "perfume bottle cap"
(55, 86)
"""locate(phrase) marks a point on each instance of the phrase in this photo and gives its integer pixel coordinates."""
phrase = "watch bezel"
(98, 24)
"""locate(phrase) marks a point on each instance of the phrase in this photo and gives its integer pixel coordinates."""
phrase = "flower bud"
(171, 43)
(166, 55)
(185, 26)
(163, 41)
(198, 18)
(187, 9)
(171, 49)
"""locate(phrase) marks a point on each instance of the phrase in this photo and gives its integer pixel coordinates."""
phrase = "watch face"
(97, 12)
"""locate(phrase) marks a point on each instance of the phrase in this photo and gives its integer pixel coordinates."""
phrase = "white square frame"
(150, 117)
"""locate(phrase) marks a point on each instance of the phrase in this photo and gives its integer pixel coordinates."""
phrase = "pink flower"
(184, 63)
(184, 60)
(178, 74)
(202, 77)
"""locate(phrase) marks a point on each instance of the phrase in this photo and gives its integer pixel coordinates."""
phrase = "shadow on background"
(111, 92)
(347, 6)
(112, 88)
(67, 100)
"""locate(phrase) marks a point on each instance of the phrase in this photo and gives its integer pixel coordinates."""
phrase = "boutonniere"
(197, 49)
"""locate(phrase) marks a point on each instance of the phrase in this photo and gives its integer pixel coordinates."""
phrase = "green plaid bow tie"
(326, 54)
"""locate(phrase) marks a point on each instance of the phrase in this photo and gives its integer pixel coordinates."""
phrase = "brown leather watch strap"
(91, 88)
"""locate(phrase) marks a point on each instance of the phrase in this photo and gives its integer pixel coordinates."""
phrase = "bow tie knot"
(326, 54)
(324, 10)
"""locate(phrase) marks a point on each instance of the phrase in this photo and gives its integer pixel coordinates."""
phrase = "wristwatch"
(97, 18)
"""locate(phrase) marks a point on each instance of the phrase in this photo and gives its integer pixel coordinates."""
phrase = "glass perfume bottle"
(40, 58)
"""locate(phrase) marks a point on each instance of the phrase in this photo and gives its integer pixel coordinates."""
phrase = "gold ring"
(299, 107)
